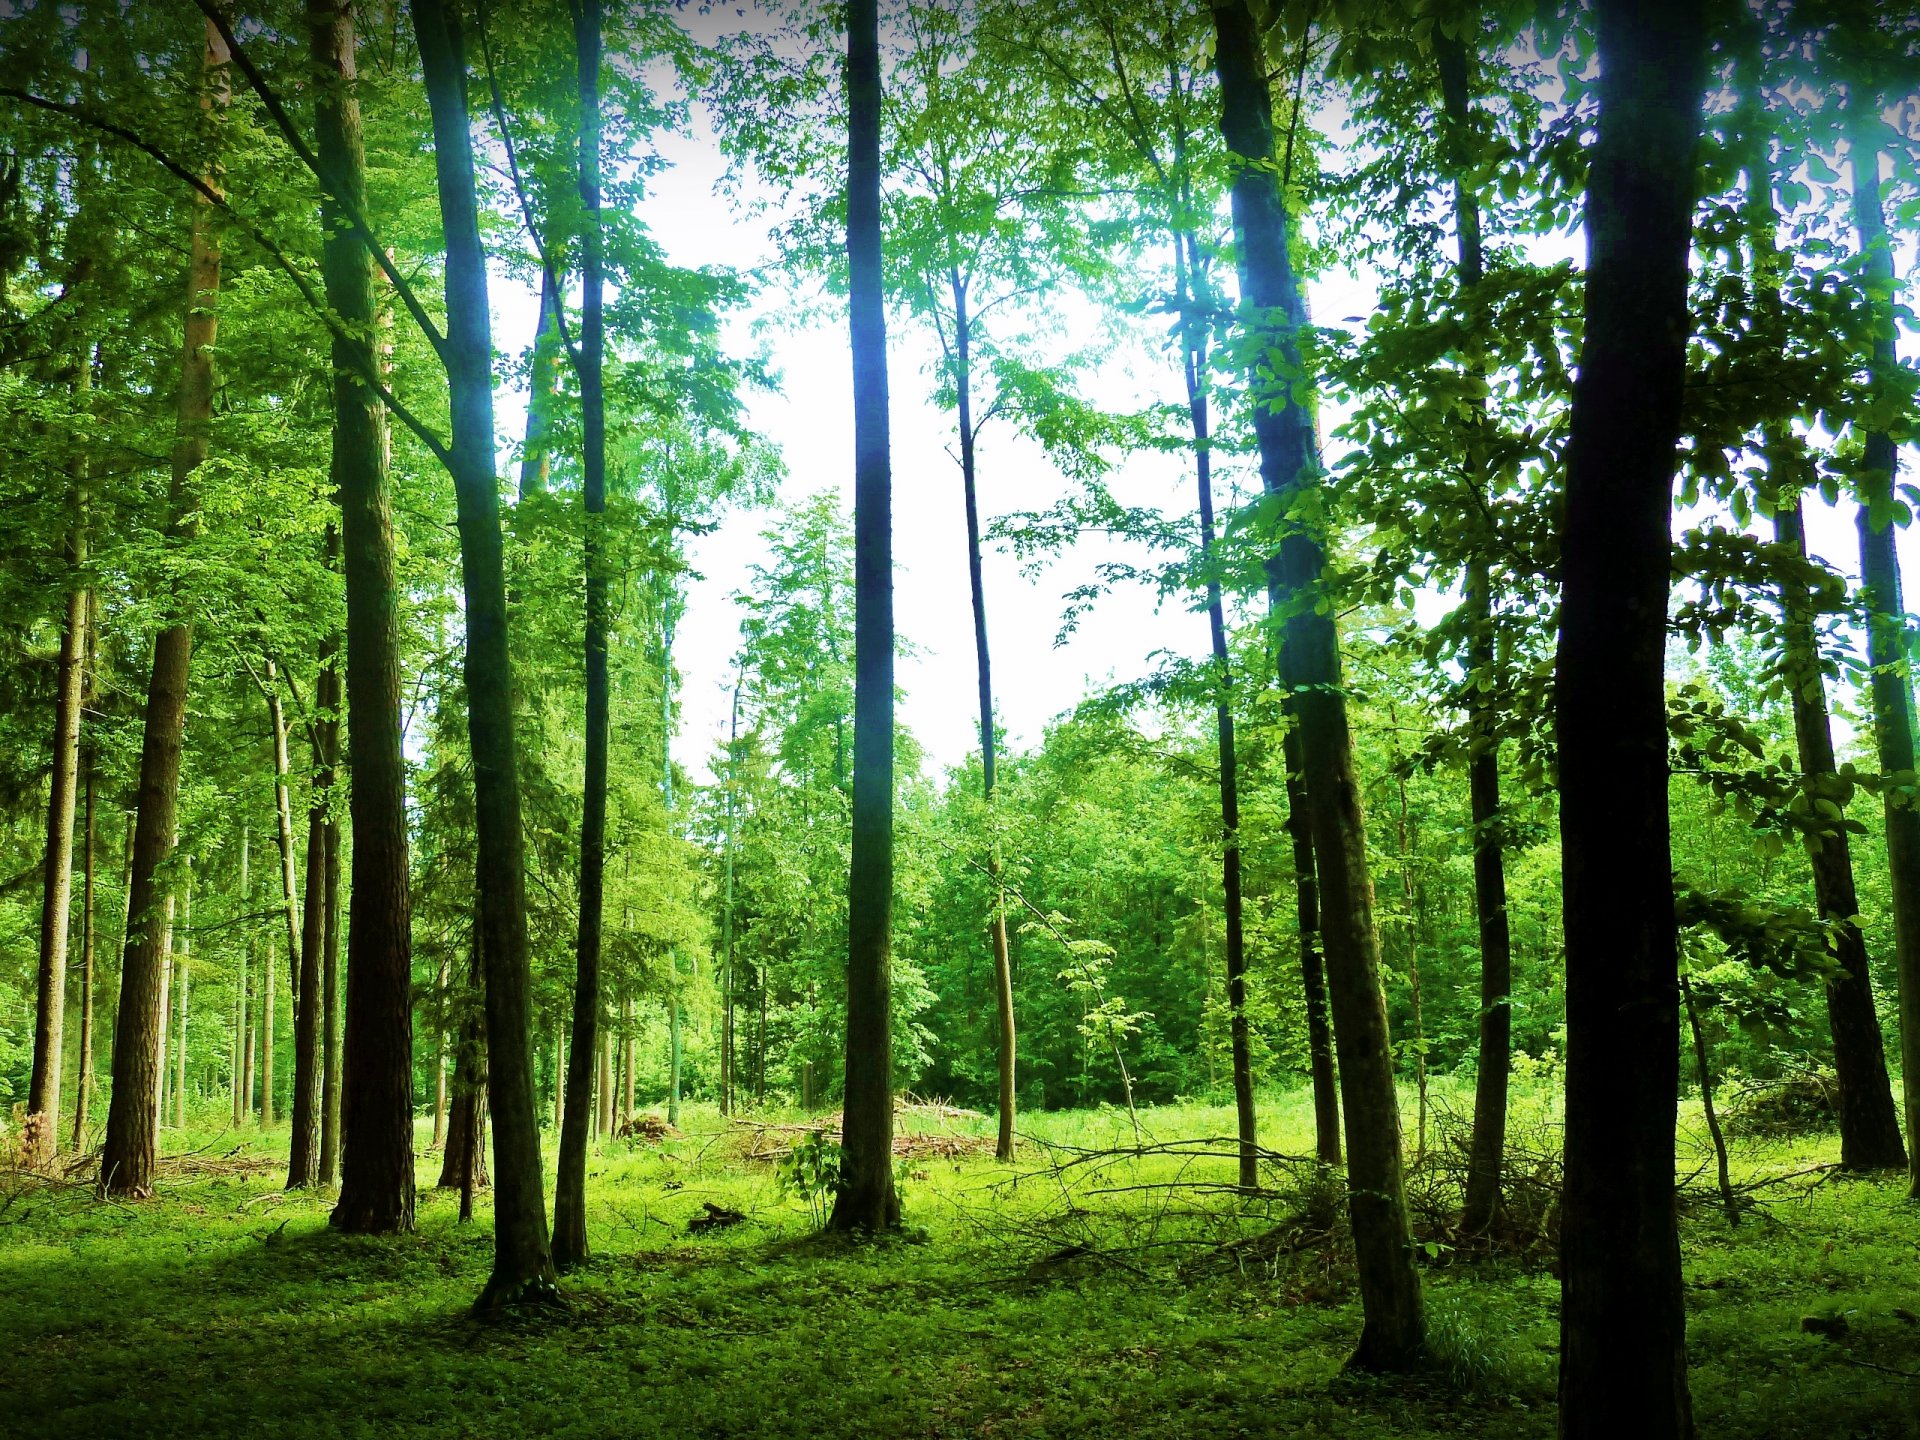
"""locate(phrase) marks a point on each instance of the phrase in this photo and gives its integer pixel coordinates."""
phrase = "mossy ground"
(1023, 1302)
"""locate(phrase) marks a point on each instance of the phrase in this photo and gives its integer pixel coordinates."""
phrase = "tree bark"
(997, 914)
(330, 998)
(1393, 1336)
(42, 1130)
(463, 1164)
(303, 1165)
(1313, 972)
(268, 972)
(83, 1097)
(1193, 365)
(570, 1192)
(243, 1001)
(182, 991)
(283, 832)
(523, 1265)
(126, 1162)
(866, 1200)
(1892, 686)
(1487, 1156)
(375, 1130)
(1623, 1326)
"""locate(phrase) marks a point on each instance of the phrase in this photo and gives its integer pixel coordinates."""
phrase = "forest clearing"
(1053, 1296)
(959, 717)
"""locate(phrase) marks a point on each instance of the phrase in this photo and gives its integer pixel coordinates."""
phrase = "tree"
(1394, 1334)
(375, 1087)
(522, 1262)
(570, 1204)
(866, 1200)
(126, 1161)
(1892, 684)
(1621, 1310)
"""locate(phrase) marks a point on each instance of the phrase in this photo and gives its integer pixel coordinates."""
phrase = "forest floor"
(1064, 1295)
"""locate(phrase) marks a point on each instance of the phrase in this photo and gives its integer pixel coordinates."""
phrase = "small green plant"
(811, 1171)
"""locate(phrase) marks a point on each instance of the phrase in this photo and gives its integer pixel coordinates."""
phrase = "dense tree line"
(1512, 737)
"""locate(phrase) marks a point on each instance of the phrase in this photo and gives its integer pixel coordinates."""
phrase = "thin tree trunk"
(570, 1192)
(1409, 893)
(1704, 1073)
(463, 1164)
(83, 1097)
(1869, 1121)
(523, 1264)
(283, 832)
(163, 1071)
(1313, 972)
(1394, 1333)
(182, 989)
(375, 1130)
(729, 1048)
(43, 1090)
(1193, 364)
(1622, 1321)
(330, 996)
(267, 983)
(866, 1199)
(243, 1076)
(997, 913)
(1892, 686)
(303, 1166)
(443, 984)
(126, 1162)
(1487, 1156)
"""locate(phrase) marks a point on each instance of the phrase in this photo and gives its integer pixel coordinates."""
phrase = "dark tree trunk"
(866, 1200)
(56, 897)
(1869, 1121)
(283, 833)
(997, 916)
(570, 1193)
(1622, 1324)
(1886, 612)
(126, 1161)
(1394, 1333)
(83, 1098)
(1193, 356)
(1313, 972)
(1483, 744)
(522, 1261)
(463, 1164)
(330, 1002)
(303, 1165)
(376, 1072)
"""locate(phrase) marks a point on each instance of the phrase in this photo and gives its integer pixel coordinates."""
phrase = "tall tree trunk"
(463, 1163)
(303, 1165)
(50, 995)
(997, 914)
(1622, 1323)
(182, 990)
(522, 1264)
(268, 972)
(570, 1191)
(1313, 971)
(866, 1199)
(1487, 1156)
(375, 1092)
(83, 1096)
(126, 1162)
(1869, 1121)
(1193, 364)
(729, 1049)
(1892, 686)
(1394, 1334)
(442, 996)
(330, 995)
(243, 1002)
(283, 833)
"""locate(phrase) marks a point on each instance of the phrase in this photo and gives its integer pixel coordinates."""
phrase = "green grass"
(1024, 1302)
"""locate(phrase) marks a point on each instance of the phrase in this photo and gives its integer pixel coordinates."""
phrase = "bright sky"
(810, 420)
